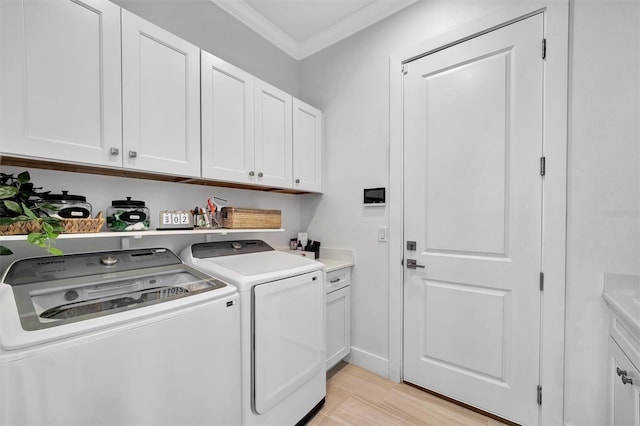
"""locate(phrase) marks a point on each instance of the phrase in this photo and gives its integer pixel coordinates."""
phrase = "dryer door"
(288, 325)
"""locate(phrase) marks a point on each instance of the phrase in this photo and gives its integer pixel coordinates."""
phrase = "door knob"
(413, 264)
(260, 174)
(114, 151)
(297, 180)
(133, 154)
(252, 173)
(621, 372)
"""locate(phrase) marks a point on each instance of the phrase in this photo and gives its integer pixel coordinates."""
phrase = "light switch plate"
(383, 234)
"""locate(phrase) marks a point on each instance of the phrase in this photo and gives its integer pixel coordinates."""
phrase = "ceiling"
(303, 27)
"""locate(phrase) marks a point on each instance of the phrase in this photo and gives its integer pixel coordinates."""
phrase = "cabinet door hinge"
(541, 281)
(539, 395)
(405, 69)
(543, 166)
(544, 48)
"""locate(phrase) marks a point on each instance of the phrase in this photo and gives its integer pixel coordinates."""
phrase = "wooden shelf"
(8, 160)
(150, 233)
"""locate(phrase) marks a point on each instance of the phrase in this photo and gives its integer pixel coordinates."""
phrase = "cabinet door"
(288, 328)
(60, 85)
(624, 388)
(160, 99)
(273, 137)
(307, 147)
(227, 121)
(338, 325)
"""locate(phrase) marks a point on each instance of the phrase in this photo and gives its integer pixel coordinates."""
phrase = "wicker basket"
(71, 226)
(20, 228)
(240, 218)
(82, 226)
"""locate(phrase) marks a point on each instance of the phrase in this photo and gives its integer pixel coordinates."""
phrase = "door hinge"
(543, 166)
(404, 69)
(402, 262)
(541, 281)
(539, 395)
(544, 48)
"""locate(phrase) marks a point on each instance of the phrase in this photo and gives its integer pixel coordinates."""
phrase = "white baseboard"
(374, 363)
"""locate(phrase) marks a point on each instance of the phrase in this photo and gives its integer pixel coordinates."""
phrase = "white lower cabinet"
(338, 316)
(624, 387)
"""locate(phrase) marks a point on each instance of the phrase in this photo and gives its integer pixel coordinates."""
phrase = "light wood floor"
(358, 397)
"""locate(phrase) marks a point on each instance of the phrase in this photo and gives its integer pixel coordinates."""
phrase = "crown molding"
(358, 21)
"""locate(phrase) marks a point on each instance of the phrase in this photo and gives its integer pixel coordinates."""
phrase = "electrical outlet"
(383, 234)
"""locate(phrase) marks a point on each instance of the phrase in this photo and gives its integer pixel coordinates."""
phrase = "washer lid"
(247, 270)
(59, 290)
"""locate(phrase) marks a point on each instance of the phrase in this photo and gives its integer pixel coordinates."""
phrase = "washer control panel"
(50, 268)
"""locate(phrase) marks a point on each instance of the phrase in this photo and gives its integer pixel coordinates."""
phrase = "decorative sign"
(176, 219)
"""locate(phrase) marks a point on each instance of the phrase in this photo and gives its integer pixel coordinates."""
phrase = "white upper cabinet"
(160, 99)
(227, 121)
(60, 86)
(307, 147)
(273, 136)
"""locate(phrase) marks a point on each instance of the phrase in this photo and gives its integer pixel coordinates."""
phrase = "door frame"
(555, 125)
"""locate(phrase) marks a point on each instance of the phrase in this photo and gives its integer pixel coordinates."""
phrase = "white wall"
(603, 232)
(102, 190)
(349, 82)
(207, 26)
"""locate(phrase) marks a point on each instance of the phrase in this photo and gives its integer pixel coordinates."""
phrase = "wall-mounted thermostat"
(374, 197)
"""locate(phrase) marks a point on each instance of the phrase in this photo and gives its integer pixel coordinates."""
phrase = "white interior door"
(473, 202)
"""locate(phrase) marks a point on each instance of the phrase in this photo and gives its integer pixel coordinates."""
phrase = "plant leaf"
(55, 251)
(24, 177)
(7, 191)
(13, 206)
(28, 212)
(5, 251)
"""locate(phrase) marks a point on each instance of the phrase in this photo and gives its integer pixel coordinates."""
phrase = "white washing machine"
(127, 337)
(282, 301)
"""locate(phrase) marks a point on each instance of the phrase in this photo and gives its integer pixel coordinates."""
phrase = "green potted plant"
(21, 212)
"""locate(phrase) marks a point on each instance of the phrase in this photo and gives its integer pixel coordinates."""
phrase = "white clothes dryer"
(125, 337)
(282, 309)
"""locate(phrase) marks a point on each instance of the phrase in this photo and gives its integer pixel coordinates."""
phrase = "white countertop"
(622, 294)
(333, 264)
(332, 258)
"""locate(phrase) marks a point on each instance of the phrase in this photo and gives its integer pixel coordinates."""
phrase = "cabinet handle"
(252, 173)
(114, 151)
(626, 380)
(260, 174)
(133, 154)
(297, 180)
(620, 372)
(335, 280)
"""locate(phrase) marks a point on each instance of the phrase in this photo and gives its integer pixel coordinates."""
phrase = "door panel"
(288, 325)
(161, 99)
(274, 140)
(466, 177)
(227, 121)
(60, 67)
(473, 199)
